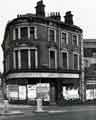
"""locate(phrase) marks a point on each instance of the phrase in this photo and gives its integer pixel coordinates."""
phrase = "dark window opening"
(64, 60)
(24, 59)
(75, 61)
(52, 59)
(64, 38)
(33, 61)
(24, 32)
(16, 33)
(16, 59)
(74, 40)
(32, 32)
(52, 35)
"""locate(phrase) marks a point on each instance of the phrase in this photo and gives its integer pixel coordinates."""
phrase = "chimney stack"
(40, 9)
(68, 18)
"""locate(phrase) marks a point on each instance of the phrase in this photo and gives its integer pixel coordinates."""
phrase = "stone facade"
(42, 49)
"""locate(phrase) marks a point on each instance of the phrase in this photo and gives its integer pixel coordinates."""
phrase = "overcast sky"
(83, 11)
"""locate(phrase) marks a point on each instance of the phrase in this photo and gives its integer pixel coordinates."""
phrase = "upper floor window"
(16, 59)
(64, 59)
(25, 58)
(33, 58)
(75, 40)
(52, 58)
(32, 32)
(16, 33)
(64, 38)
(8, 62)
(52, 35)
(24, 32)
(76, 61)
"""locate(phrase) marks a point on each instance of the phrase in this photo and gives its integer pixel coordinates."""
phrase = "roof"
(30, 17)
(33, 18)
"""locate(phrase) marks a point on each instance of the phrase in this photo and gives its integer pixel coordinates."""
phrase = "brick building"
(42, 57)
(90, 68)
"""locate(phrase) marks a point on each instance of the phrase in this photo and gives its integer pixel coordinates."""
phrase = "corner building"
(42, 57)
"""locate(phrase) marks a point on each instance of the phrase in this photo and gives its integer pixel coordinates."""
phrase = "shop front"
(91, 90)
(28, 93)
(50, 87)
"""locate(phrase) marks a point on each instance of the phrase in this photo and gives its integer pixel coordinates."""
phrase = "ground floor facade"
(52, 88)
(91, 88)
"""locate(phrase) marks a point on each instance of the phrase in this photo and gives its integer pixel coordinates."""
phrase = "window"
(64, 60)
(7, 63)
(76, 61)
(10, 58)
(64, 38)
(52, 59)
(75, 40)
(16, 59)
(16, 33)
(24, 32)
(24, 59)
(32, 32)
(33, 58)
(52, 35)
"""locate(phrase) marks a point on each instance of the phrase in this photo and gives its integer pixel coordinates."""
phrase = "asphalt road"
(69, 113)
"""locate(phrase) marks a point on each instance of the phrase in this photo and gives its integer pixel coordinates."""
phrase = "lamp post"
(82, 81)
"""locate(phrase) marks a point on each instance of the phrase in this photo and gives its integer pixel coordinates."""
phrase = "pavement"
(23, 112)
(24, 109)
(12, 109)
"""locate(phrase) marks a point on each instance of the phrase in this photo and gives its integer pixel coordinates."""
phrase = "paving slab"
(15, 112)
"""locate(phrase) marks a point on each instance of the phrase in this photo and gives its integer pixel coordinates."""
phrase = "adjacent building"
(90, 68)
(42, 57)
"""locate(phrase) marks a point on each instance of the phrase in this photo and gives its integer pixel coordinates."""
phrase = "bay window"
(25, 32)
(25, 58)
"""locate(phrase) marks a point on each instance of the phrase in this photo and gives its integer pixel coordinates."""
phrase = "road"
(63, 113)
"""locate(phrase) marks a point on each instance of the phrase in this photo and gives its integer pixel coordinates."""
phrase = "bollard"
(5, 109)
(39, 105)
